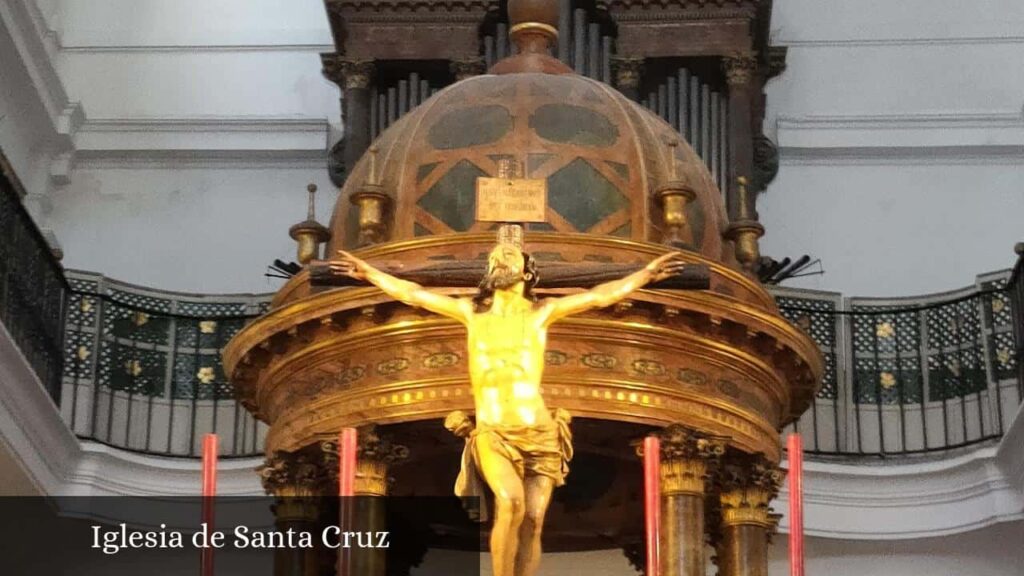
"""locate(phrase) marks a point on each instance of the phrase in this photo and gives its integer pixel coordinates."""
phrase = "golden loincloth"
(543, 450)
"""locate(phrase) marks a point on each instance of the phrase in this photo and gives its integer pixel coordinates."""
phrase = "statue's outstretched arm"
(612, 292)
(410, 293)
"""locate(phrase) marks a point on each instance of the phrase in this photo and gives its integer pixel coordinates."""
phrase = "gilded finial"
(372, 203)
(673, 143)
(309, 234)
(537, 18)
(745, 230)
(311, 211)
(533, 29)
(674, 196)
(372, 178)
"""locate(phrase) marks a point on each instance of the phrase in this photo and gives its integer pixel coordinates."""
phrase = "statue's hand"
(349, 265)
(666, 266)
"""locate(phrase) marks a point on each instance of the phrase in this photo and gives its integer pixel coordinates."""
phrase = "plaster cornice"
(36, 46)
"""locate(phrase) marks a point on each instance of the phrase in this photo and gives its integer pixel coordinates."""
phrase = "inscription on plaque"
(511, 200)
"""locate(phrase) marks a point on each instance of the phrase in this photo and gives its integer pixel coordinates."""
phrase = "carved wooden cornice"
(402, 11)
(681, 10)
(678, 4)
(412, 5)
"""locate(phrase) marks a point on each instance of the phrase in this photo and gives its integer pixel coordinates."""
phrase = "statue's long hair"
(485, 291)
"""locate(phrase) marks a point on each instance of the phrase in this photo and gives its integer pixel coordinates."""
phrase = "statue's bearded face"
(504, 267)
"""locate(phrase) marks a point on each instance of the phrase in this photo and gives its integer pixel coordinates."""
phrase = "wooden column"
(297, 480)
(627, 76)
(688, 460)
(746, 519)
(739, 75)
(744, 230)
(358, 75)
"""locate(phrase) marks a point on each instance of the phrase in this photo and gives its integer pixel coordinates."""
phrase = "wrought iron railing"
(903, 376)
(143, 368)
(908, 376)
(1016, 288)
(32, 288)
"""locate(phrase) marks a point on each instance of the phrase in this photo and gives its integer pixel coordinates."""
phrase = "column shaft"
(683, 535)
(743, 551)
(688, 460)
(301, 515)
(357, 125)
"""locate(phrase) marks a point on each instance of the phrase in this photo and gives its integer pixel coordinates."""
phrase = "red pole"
(346, 490)
(652, 501)
(209, 493)
(347, 463)
(795, 452)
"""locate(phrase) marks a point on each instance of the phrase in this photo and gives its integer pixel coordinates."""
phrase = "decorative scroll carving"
(766, 162)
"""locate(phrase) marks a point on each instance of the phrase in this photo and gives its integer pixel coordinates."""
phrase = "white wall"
(35, 113)
(205, 121)
(901, 132)
(194, 229)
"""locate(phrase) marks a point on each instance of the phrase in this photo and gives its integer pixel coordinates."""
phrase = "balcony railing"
(911, 375)
(903, 376)
(143, 368)
(32, 287)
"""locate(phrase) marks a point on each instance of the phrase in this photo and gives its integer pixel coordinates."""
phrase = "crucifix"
(517, 446)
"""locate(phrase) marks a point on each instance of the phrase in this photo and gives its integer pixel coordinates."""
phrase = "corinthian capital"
(293, 474)
(748, 488)
(739, 68)
(346, 72)
(628, 72)
(689, 459)
(463, 69)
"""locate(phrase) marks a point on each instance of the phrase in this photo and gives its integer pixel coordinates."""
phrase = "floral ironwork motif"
(206, 375)
(887, 380)
(133, 367)
(885, 330)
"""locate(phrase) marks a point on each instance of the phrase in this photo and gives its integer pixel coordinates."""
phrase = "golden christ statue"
(519, 447)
